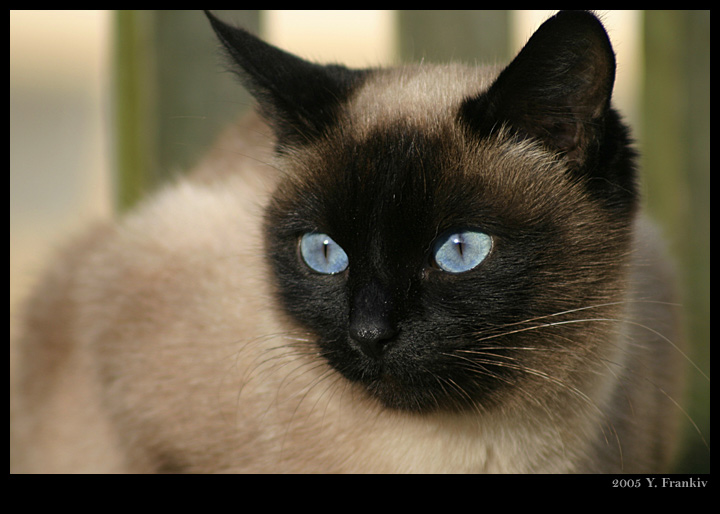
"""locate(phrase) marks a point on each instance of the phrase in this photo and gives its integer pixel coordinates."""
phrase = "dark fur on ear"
(558, 90)
(299, 98)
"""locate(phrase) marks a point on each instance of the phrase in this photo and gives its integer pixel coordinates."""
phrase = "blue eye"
(322, 254)
(461, 250)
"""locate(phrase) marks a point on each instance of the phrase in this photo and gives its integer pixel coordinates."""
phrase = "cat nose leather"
(372, 336)
(370, 319)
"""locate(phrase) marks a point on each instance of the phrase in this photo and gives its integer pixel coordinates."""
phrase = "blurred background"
(106, 105)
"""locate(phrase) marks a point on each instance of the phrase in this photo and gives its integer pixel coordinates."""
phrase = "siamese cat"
(429, 268)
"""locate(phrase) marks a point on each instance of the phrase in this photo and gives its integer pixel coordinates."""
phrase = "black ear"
(300, 99)
(557, 89)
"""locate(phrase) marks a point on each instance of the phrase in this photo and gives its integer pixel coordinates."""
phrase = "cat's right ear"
(300, 99)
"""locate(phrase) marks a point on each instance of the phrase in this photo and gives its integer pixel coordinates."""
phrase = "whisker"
(587, 320)
(580, 309)
(545, 376)
(644, 377)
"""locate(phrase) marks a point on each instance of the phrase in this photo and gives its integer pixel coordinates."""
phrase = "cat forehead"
(424, 93)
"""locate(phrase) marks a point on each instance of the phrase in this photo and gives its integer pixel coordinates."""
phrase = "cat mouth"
(401, 378)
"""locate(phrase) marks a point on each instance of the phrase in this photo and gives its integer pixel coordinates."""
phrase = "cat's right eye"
(461, 250)
(322, 254)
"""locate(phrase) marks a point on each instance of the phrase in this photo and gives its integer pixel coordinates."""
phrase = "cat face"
(433, 261)
(439, 249)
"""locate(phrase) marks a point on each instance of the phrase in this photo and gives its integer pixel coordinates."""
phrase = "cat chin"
(421, 398)
(396, 395)
(410, 385)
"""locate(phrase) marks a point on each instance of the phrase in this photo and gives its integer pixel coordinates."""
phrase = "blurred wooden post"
(465, 36)
(676, 165)
(172, 94)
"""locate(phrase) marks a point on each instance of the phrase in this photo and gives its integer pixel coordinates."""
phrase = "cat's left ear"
(300, 99)
(556, 90)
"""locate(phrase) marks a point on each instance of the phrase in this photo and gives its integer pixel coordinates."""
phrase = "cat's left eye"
(322, 254)
(461, 250)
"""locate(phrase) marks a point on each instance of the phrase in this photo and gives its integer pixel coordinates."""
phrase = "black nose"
(372, 335)
(371, 324)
